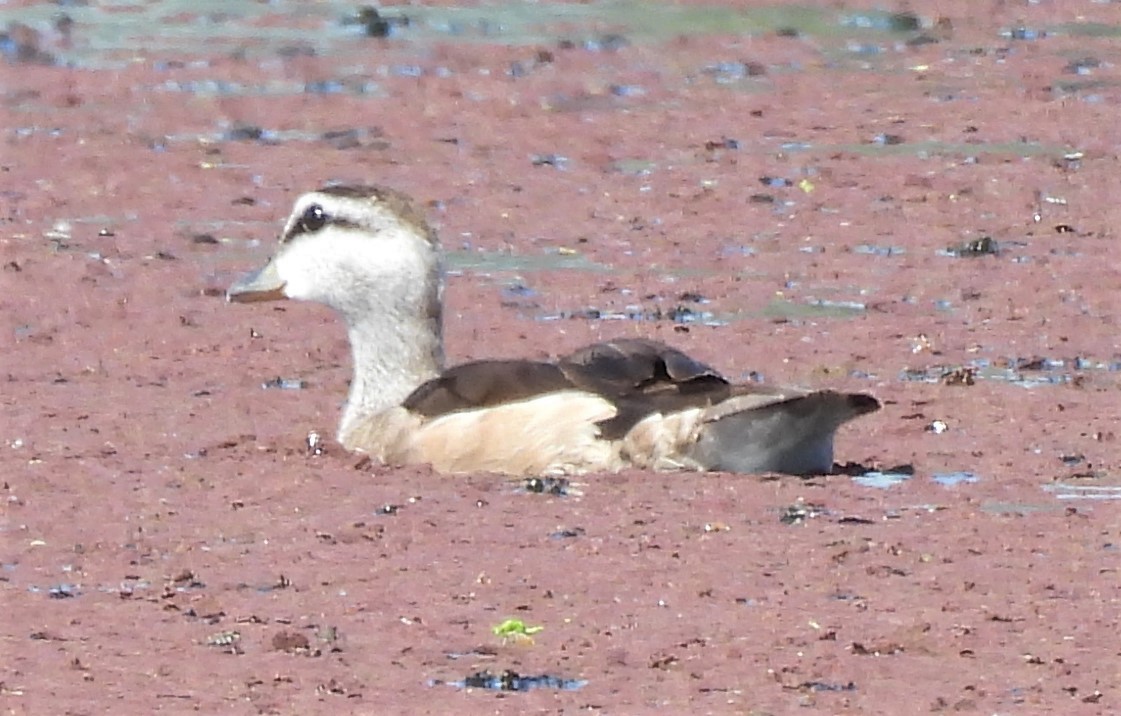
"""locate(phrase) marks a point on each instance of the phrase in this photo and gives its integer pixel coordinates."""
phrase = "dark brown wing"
(639, 377)
(642, 377)
(628, 364)
(485, 383)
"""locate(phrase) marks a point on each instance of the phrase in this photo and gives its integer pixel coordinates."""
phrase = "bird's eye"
(314, 219)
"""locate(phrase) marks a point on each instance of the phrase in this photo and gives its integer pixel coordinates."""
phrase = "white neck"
(392, 357)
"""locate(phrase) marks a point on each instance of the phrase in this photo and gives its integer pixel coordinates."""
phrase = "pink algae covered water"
(916, 203)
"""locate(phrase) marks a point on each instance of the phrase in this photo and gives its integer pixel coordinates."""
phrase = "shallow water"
(106, 34)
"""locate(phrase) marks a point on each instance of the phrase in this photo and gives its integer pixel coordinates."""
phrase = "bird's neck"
(392, 357)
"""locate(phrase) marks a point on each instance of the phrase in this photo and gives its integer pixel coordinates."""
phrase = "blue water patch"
(881, 480)
(512, 681)
(950, 479)
(1075, 491)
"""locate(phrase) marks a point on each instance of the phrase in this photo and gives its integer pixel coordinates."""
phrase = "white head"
(357, 249)
(367, 252)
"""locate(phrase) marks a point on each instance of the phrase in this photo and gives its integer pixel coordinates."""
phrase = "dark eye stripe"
(314, 219)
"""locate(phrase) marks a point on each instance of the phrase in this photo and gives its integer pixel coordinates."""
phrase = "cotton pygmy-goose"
(368, 253)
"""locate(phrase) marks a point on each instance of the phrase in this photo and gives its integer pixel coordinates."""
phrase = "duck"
(369, 253)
